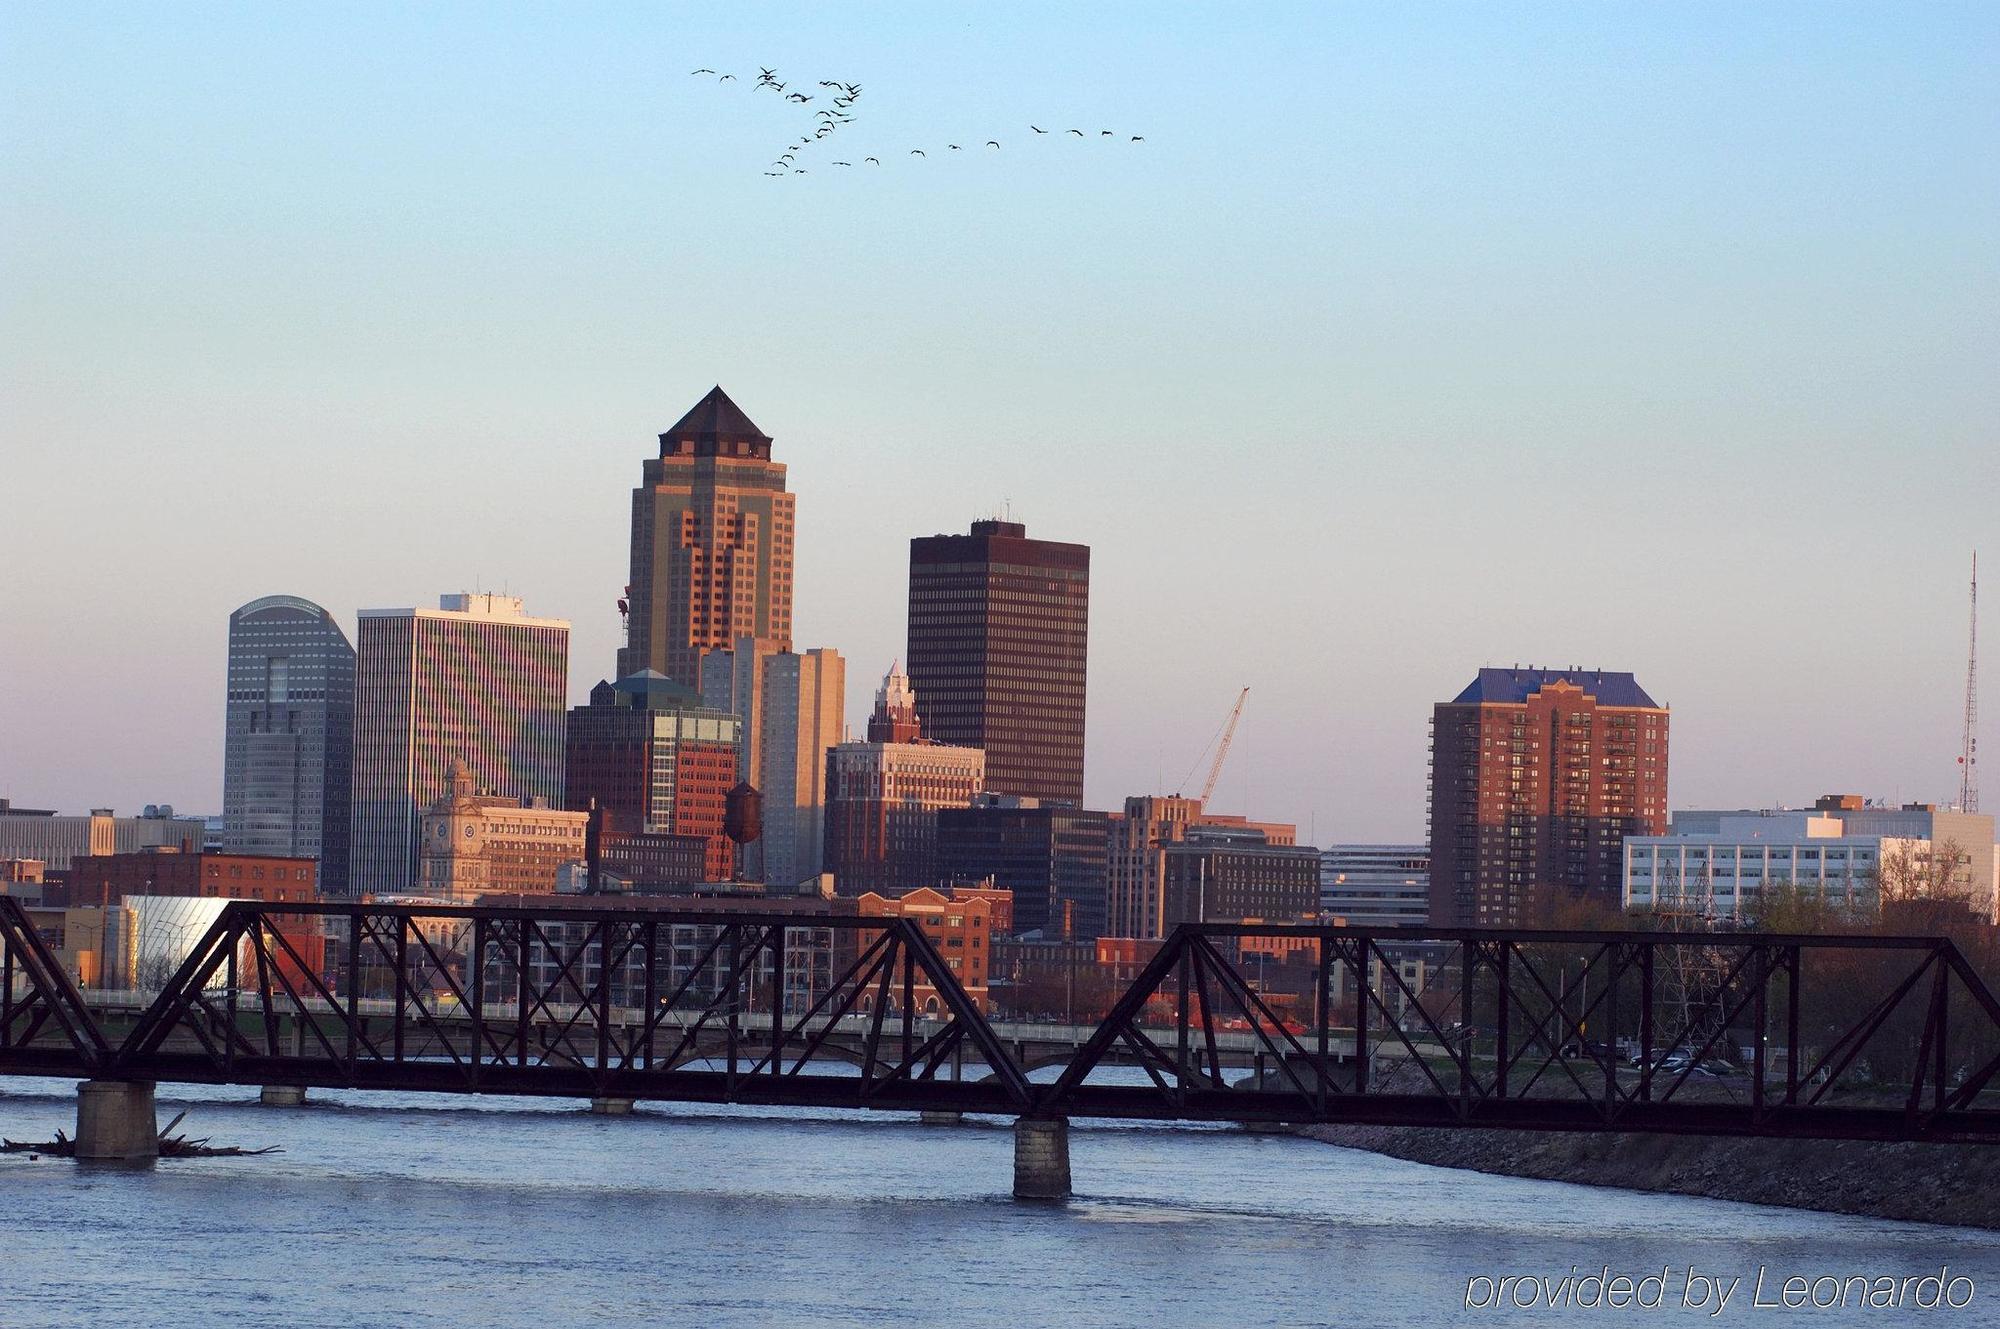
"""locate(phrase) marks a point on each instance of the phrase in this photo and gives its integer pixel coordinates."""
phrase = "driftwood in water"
(171, 1146)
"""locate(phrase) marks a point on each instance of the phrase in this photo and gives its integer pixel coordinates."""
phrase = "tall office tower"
(711, 545)
(998, 633)
(657, 761)
(883, 797)
(1051, 857)
(1136, 868)
(793, 706)
(1537, 777)
(474, 680)
(288, 744)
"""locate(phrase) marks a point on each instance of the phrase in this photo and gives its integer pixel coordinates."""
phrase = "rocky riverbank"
(1927, 1183)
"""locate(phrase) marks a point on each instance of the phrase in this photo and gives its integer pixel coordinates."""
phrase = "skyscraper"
(711, 545)
(1537, 777)
(883, 797)
(997, 648)
(474, 681)
(288, 742)
(793, 706)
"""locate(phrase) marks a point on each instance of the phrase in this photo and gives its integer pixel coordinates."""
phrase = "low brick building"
(960, 923)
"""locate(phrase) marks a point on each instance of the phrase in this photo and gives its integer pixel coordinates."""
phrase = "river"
(409, 1210)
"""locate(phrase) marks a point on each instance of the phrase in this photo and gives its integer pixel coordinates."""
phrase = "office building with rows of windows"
(998, 650)
(474, 681)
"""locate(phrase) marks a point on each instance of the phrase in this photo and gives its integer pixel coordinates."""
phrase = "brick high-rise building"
(475, 681)
(1537, 777)
(997, 650)
(288, 745)
(657, 761)
(883, 797)
(711, 545)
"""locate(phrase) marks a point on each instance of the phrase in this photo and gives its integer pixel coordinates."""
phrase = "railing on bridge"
(1733, 1033)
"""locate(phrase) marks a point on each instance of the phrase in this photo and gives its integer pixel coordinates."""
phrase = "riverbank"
(1926, 1183)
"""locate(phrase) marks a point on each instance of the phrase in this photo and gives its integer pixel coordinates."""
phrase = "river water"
(408, 1210)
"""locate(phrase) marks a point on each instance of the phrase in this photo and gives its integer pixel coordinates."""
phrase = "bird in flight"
(693, 72)
(1105, 133)
(1077, 132)
(1138, 138)
(871, 159)
(798, 97)
(954, 147)
(726, 78)
(918, 152)
(992, 143)
(1038, 129)
(843, 163)
(766, 73)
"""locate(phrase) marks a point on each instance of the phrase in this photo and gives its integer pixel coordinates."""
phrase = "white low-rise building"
(1834, 850)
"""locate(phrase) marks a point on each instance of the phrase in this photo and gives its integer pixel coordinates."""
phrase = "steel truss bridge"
(1841, 1037)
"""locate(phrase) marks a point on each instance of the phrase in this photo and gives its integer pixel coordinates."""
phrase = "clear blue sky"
(1658, 338)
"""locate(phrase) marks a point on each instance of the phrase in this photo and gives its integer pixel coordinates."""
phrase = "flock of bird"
(838, 114)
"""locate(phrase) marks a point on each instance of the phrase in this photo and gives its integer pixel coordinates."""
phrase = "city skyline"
(1491, 334)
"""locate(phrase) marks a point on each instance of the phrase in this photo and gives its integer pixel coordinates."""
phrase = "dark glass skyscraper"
(290, 734)
(997, 648)
(1052, 858)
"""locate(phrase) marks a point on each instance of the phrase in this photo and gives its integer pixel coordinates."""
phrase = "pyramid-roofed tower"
(711, 545)
(714, 426)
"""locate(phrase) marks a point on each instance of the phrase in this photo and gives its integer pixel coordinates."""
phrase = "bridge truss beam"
(1852, 1037)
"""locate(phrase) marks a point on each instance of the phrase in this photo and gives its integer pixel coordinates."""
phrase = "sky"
(1410, 340)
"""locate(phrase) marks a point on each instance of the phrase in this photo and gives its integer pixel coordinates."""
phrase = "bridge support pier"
(115, 1121)
(930, 1118)
(1041, 1158)
(282, 1095)
(612, 1107)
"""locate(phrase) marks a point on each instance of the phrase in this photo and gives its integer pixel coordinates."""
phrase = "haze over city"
(1399, 347)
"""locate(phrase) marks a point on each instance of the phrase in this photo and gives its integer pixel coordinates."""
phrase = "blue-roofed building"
(1514, 686)
(1537, 777)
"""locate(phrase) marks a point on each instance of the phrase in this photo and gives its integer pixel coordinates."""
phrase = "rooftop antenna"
(1968, 752)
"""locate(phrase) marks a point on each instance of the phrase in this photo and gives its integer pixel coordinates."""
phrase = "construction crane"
(1224, 735)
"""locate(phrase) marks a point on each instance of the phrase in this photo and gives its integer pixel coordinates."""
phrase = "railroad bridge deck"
(1862, 1037)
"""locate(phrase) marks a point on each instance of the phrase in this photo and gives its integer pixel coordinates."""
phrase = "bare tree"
(1909, 872)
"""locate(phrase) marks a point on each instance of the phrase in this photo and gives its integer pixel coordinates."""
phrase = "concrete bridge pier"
(1041, 1158)
(115, 1121)
(282, 1095)
(612, 1107)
